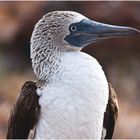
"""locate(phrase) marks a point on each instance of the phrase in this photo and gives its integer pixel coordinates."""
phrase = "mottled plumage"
(47, 44)
(71, 98)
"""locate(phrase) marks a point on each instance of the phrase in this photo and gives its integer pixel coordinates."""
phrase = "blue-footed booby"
(71, 98)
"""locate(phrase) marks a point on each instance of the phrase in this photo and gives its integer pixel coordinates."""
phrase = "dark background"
(119, 57)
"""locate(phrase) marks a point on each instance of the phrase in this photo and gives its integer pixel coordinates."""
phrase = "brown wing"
(111, 114)
(24, 113)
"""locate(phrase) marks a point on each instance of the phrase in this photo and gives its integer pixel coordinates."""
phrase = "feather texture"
(24, 113)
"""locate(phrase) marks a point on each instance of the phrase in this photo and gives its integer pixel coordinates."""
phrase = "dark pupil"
(73, 28)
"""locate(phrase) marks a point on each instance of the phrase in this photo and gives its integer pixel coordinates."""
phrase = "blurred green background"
(119, 57)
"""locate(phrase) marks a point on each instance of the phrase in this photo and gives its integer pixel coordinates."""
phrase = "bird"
(71, 97)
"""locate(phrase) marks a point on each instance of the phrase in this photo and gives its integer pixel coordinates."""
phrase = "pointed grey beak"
(101, 30)
(89, 31)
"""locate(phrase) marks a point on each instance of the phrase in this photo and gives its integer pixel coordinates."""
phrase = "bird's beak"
(89, 31)
(102, 31)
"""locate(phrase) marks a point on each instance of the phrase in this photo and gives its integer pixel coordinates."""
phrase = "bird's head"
(73, 31)
(63, 31)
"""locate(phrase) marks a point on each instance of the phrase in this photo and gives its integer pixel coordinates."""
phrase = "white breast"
(73, 105)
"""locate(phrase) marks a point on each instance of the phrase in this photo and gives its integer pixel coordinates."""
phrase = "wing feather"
(24, 113)
(111, 114)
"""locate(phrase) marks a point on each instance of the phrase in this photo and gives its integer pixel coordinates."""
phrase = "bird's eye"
(73, 28)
